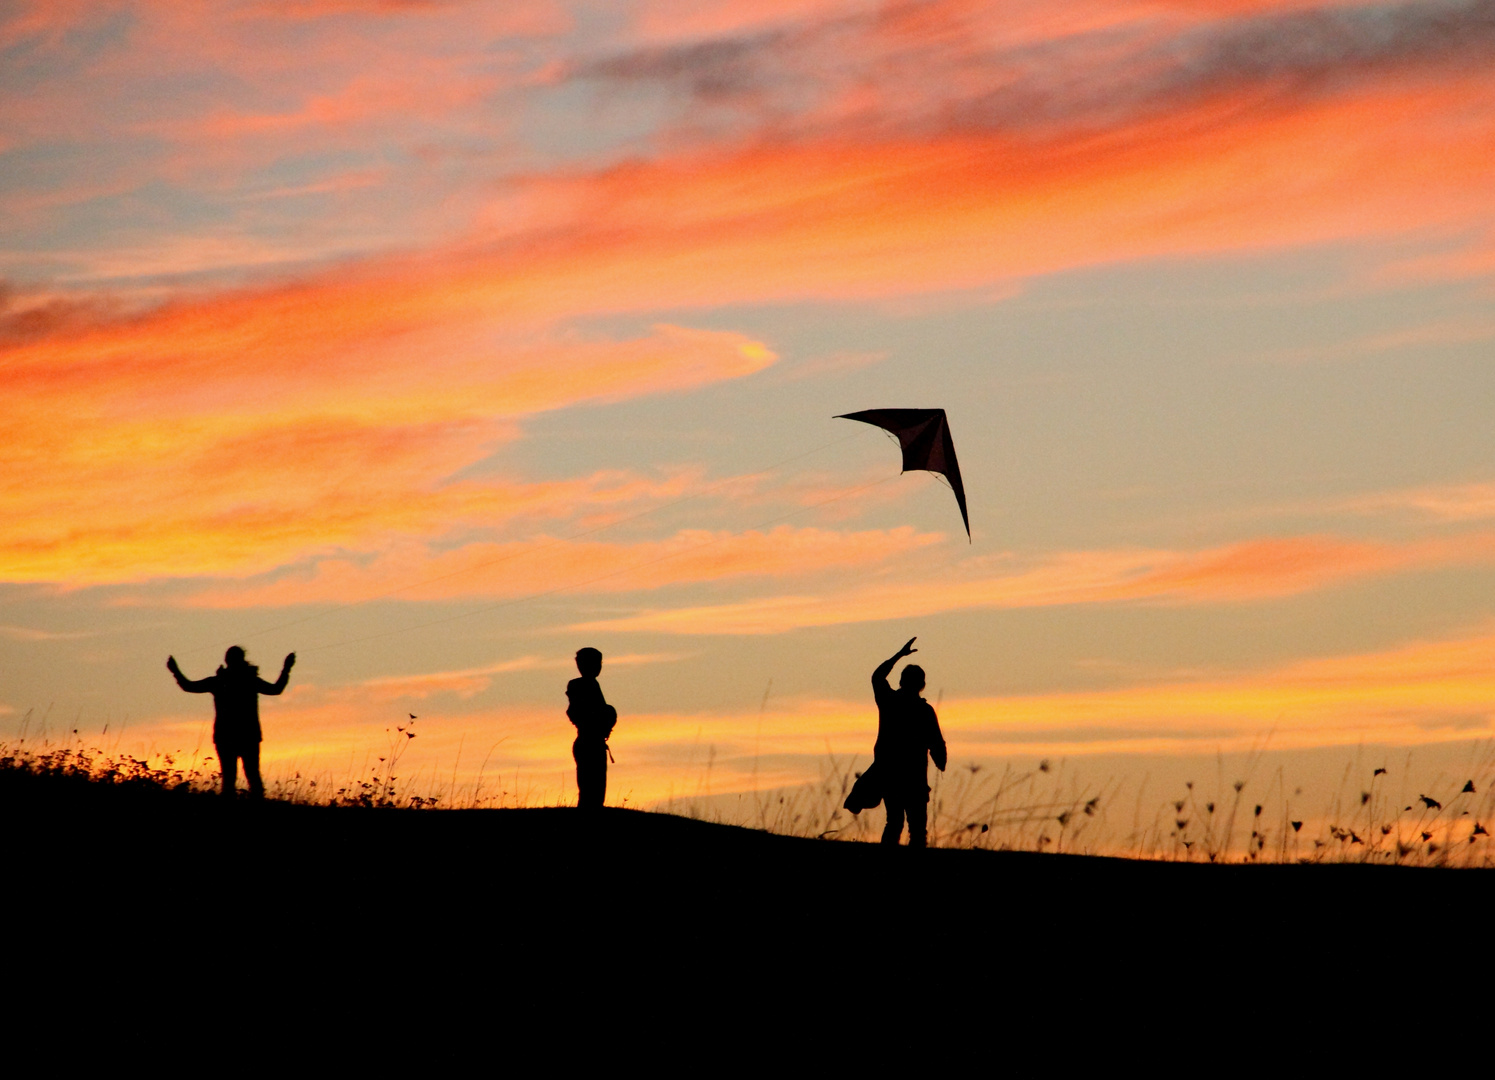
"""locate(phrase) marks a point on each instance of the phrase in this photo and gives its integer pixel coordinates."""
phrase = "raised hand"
(908, 647)
(290, 661)
(171, 664)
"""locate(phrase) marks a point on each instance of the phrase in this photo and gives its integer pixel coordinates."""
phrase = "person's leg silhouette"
(228, 764)
(591, 773)
(251, 757)
(918, 822)
(894, 828)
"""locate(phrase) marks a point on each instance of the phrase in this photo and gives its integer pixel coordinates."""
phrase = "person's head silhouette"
(912, 679)
(589, 662)
(235, 656)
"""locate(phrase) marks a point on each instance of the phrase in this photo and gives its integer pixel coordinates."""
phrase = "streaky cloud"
(1251, 571)
(950, 65)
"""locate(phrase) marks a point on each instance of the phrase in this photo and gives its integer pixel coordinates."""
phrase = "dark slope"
(549, 863)
(546, 909)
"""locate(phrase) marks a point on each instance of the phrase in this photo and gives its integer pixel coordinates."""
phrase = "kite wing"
(924, 435)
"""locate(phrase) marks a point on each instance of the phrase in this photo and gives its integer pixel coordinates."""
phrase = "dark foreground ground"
(595, 916)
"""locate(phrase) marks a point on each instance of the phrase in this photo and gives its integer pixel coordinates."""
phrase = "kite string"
(601, 577)
(351, 604)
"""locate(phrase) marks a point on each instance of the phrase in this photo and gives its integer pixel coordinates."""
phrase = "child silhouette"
(594, 719)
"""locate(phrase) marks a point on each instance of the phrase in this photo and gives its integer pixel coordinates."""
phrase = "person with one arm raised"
(908, 735)
(236, 690)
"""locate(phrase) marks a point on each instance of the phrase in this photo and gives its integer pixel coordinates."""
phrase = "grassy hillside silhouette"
(624, 932)
(155, 847)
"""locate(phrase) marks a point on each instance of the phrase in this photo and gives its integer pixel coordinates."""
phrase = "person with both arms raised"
(236, 690)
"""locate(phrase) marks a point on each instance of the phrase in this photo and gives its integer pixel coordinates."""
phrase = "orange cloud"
(1425, 692)
(1255, 570)
(1194, 158)
(674, 20)
(1208, 158)
(1442, 502)
(143, 445)
(380, 98)
(321, 9)
(936, 153)
(548, 564)
(191, 442)
(47, 21)
(471, 681)
(841, 217)
(916, 147)
(205, 99)
(780, 220)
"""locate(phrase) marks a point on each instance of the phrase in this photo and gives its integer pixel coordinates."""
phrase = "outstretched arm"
(885, 668)
(279, 685)
(192, 686)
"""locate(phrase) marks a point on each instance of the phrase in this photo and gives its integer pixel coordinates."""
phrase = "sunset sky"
(435, 339)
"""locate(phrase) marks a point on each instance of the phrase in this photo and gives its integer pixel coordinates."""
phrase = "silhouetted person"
(236, 690)
(594, 719)
(908, 734)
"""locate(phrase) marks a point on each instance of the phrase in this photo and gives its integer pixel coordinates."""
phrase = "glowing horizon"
(434, 340)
